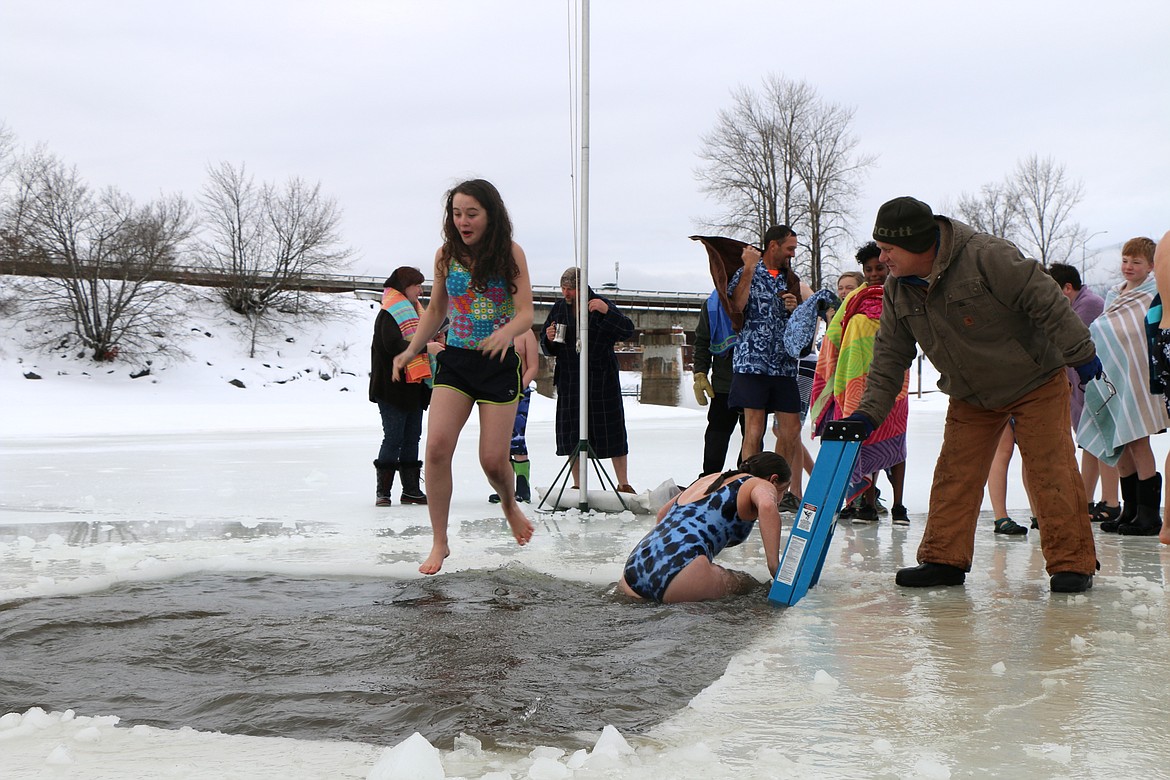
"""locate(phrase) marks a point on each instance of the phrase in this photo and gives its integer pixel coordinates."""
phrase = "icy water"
(507, 655)
(246, 584)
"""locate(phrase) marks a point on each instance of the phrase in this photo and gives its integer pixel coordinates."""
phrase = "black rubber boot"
(930, 575)
(1149, 517)
(385, 471)
(1129, 504)
(411, 472)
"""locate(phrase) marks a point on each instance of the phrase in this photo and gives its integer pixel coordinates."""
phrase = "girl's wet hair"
(491, 257)
(762, 465)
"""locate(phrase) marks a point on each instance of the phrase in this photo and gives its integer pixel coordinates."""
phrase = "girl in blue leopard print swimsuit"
(675, 561)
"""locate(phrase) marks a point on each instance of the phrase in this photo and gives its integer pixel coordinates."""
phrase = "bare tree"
(783, 156)
(829, 170)
(7, 151)
(1046, 198)
(105, 255)
(267, 241)
(995, 210)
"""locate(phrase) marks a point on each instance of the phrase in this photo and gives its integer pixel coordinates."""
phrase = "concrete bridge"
(664, 322)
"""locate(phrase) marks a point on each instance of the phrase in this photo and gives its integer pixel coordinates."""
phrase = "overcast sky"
(387, 103)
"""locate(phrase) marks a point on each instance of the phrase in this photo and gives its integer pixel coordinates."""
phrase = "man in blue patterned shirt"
(766, 291)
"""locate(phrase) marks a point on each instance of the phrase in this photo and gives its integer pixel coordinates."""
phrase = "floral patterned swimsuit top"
(475, 314)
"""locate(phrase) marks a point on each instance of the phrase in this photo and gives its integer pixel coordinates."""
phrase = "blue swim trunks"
(705, 526)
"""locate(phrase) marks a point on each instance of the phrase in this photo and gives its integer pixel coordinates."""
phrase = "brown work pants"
(1046, 446)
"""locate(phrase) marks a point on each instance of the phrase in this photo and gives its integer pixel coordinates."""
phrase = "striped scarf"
(405, 314)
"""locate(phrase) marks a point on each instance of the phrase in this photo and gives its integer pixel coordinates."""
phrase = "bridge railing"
(206, 277)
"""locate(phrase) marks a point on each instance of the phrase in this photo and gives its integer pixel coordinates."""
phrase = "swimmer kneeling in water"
(675, 561)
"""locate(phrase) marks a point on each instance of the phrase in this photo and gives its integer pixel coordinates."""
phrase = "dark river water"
(504, 655)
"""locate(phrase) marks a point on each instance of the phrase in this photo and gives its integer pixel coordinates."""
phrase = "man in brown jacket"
(1000, 333)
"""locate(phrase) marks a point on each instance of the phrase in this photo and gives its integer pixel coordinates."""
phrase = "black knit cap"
(906, 222)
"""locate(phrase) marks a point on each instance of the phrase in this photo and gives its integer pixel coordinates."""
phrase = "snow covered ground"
(861, 679)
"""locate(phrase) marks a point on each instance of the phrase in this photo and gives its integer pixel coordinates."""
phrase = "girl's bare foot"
(521, 526)
(434, 561)
(1164, 536)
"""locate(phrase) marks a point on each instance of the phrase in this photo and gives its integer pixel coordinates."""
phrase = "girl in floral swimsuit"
(674, 562)
(481, 285)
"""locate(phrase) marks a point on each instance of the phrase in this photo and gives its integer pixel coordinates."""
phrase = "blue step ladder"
(812, 528)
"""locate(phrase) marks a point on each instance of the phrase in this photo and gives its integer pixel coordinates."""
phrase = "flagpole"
(583, 280)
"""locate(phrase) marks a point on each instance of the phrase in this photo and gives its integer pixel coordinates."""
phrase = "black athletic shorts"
(760, 391)
(483, 379)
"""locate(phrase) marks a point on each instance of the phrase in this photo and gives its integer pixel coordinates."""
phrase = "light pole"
(1083, 244)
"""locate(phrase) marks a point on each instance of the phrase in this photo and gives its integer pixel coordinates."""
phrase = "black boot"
(411, 491)
(385, 470)
(1149, 517)
(1129, 504)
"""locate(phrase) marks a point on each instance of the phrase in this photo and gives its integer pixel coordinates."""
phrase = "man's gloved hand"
(703, 389)
(1090, 371)
(858, 417)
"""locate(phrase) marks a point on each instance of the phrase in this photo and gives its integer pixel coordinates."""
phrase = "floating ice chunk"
(608, 752)
(998, 667)
(59, 756)
(89, 734)
(1079, 643)
(25, 542)
(497, 776)
(1141, 610)
(932, 769)
(412, 759)
(1061, 754)
(10, 720)
(824, 680)
(1157, 591)
(544, 751)
(1116, 637)
(696, 754)
(468, 743)
(1049, 682)
(857, 557)
(611, 741)
(882, 746)
(53, 541)
(38, 718)
(1128, 595)
(578, 759)
(548, 769)
(68, 715)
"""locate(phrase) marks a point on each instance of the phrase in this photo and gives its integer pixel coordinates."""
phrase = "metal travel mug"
(559, 329)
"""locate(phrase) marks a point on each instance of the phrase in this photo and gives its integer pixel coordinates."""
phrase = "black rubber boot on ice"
(929, 575)
(411, 472)
(1149, 518)
(385, 471)
(1070, 582)
(1129, 504)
